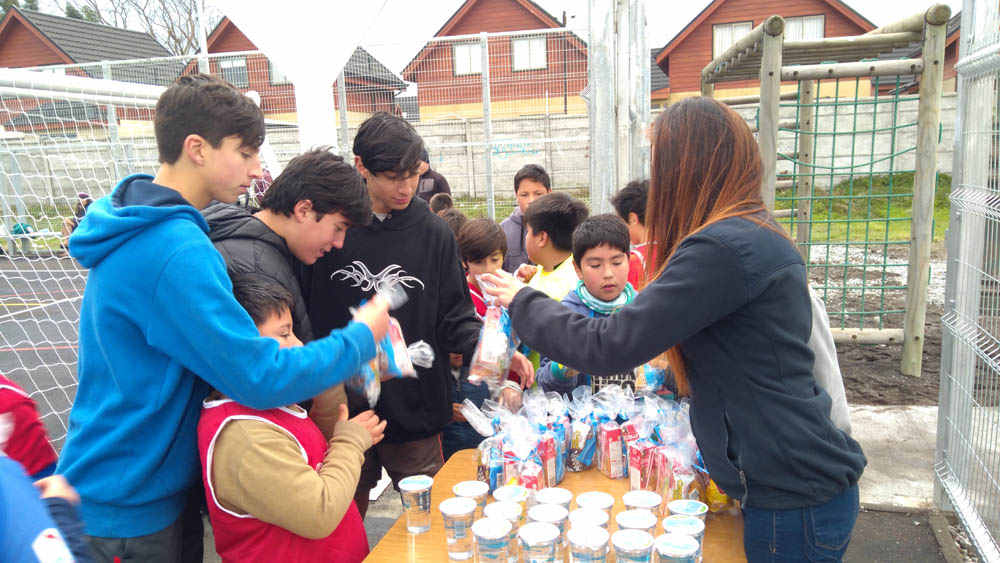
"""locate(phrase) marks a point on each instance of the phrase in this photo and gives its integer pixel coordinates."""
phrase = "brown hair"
(479, 239)
(706, 167)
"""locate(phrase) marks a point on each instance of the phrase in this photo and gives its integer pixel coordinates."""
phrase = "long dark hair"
(706, 167)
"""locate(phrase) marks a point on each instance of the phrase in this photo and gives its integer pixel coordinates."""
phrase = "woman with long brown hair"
(728, 304)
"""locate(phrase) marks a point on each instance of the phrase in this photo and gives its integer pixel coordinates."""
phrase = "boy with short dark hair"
(455, 219)
(440, 202)
(630, 205)
(600, 260)
(549, 225)
(159, 326)
(280, 484)
(408, 245)
(482, 245)
(530, 183)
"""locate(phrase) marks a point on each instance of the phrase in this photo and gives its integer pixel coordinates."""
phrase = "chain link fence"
(968, 434)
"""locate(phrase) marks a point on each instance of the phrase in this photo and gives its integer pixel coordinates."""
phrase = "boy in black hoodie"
(404, 244)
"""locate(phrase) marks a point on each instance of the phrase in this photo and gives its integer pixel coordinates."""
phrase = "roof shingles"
(87, 42)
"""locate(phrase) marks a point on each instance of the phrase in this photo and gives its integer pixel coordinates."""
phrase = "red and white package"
(641, 467)
(609, 444)
(547, 453)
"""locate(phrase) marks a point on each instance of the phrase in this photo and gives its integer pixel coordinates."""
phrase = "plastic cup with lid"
(676, 548)
(588, 544)
(643, 499)
(687, 507)
(539, 542)
(458, 513)
(633, 546)
(584, 517)
(685, 525)
(512, 493)
(554, 495)
(553, 514)
(511, 512)
(476, 490)
(492, 539)
(636, 519)
(596, 499)
(416, 496)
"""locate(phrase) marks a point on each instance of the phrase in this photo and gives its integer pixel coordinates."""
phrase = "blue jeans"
(815, 533)
(460, 435)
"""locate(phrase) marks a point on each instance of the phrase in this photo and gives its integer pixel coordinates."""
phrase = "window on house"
(468, 58)
(235, 72)
(277, 77)
(804, 27)
(529, 53)
(725, 34)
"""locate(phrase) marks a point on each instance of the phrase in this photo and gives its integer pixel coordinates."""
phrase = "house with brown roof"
(723, 22)
(370, 86)
(529, 73)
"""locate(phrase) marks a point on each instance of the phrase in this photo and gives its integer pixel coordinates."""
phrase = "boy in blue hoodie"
(159, 325)
(600, 258)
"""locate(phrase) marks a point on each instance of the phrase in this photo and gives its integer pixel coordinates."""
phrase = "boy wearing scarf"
(600, 258)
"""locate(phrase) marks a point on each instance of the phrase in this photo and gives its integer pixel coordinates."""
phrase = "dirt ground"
(871, 372)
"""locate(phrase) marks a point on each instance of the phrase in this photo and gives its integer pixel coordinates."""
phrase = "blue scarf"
(605, 307)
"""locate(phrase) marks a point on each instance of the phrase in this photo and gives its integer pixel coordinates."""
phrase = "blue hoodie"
(158, 309)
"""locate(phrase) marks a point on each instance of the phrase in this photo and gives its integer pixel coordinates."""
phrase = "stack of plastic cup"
(492, 536)
(416, 494)
(596, 499)
(458, 513)
(583, 517)
(554, 495)
(588, 544)
(633, 546)
(676, 548)
(539, 542)
(636, 519)
(476, 490)
(512, 493)
(510, 512)
(687, 526)
(686, 507)
(643, 499)
(553, 514)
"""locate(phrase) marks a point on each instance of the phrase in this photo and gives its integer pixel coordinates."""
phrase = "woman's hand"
(501, 285)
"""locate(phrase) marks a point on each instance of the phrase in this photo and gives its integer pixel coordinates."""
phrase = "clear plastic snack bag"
(494, 349)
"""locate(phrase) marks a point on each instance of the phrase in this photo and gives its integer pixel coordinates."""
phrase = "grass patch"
(876, 208)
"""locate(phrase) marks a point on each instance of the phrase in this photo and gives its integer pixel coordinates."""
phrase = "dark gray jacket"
(249, 246)
(513, 228)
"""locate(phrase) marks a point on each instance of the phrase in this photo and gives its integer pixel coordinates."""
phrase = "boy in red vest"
(279, 482)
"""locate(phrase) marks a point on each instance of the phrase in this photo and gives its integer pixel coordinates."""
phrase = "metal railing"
(968, 434)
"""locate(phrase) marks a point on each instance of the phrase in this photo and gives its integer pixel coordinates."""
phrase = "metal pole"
(623, 77)
(112, 117)
(202, 38)
(639, 163)
(345, 149)
(770, 90)
(601, 75)
(803, 203)
(484, 47)
(924, 182)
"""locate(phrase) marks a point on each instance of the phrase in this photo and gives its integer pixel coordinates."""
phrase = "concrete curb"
(942, 534)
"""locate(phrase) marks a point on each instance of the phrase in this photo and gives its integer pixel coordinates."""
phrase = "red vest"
(241, 537)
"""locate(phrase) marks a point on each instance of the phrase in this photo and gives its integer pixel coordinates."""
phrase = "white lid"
(492, 528)
(688, 507)
(636, 518)
(457, 506)
(632, 539)
(537, 533)
(587, 516)
(554, 495)
(588, 536)
(595, 499)
(416, 483)
(681, 524)
(512, 493)
(470, 489)
(547, 513)
(503, 509)
(642, 499)
(676, 545)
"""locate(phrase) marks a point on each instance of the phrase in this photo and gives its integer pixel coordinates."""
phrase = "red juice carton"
(609, 442)
(547, 454)
(630, 435)
(642, 471)
(531, 476)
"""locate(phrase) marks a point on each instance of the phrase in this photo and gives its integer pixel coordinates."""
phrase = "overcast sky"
(402, 28)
